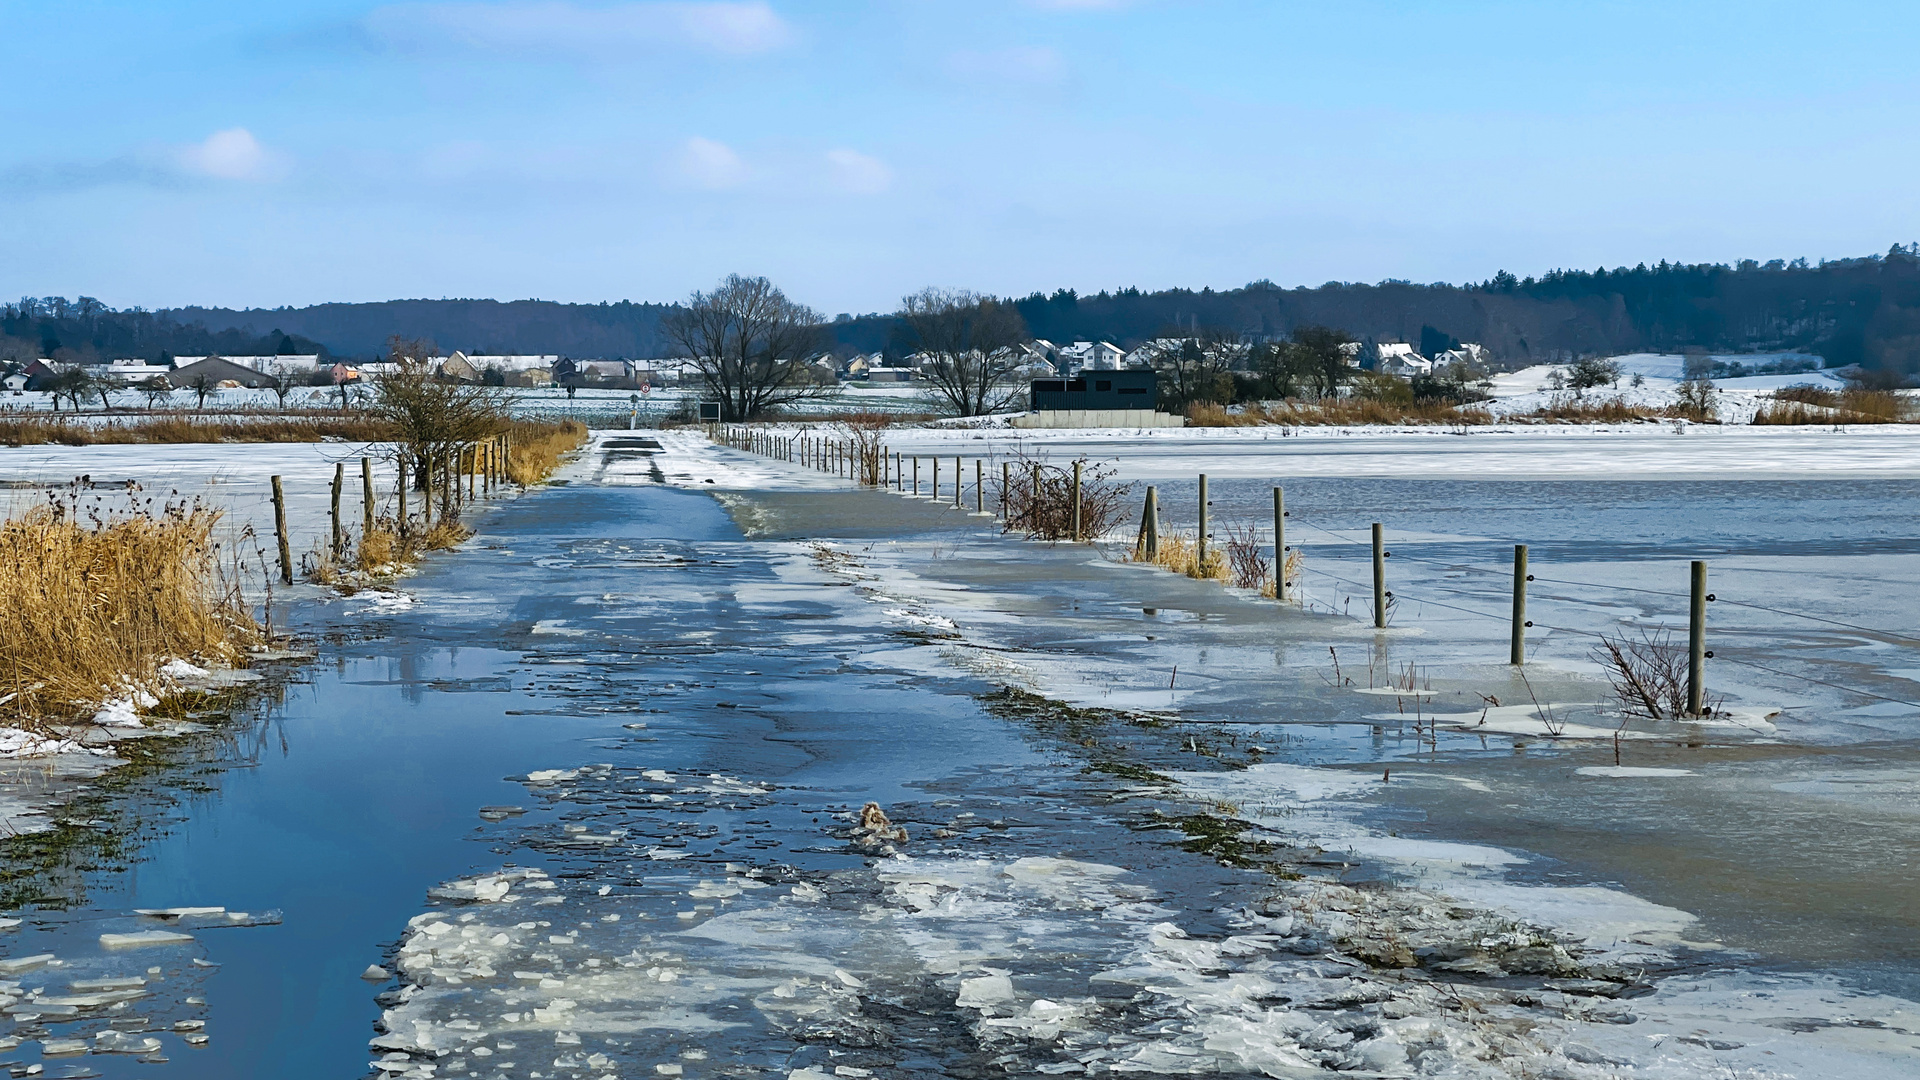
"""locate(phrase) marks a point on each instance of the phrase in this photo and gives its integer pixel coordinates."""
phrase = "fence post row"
(1518, 653)
(1279, 545)
(1379, 580)
(280, 532)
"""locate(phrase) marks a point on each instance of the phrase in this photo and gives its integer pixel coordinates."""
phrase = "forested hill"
(623, 329)
(1864, 311)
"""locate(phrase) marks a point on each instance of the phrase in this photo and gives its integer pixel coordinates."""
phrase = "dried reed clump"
(1181, 555)
(97, 600)
(1818, 405)
(1039, 500)
(380, 550)
(538, 448)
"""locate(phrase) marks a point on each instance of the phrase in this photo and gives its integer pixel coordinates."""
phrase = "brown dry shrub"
(1594, 411)
(1247, 564)
(95, 599)
(1039, 500)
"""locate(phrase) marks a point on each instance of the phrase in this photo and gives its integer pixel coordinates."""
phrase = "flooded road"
(594, 797)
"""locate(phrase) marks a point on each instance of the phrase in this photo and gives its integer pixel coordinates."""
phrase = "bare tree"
(284, 380)
(157, 389)
(435, 416)
(971, 346)
(104, 386)
(201, 385)
(1195, 368)
(749, 343)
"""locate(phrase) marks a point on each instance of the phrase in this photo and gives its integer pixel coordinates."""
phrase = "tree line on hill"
(1862, 311)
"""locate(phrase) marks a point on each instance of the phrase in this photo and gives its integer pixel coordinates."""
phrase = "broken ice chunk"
(122, 1042)
(143, 937)
(374, 973)
(23, 963)
(984, 990)
(178, 912)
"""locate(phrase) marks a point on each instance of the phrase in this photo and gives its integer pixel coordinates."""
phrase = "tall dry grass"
(1818, 405)
(95, 601)
(539, 447)
(1335, 412)
(39, 430)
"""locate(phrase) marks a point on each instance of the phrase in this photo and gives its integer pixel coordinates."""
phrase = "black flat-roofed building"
(1095, 390)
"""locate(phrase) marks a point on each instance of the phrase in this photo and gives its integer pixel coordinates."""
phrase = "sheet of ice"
(143, 937)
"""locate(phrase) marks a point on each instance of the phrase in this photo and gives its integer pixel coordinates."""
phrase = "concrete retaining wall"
(1098, 418)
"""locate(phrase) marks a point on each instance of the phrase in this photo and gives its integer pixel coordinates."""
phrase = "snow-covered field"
(1517, 452)
(236, 477)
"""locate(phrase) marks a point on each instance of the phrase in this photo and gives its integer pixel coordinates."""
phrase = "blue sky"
(302, 151)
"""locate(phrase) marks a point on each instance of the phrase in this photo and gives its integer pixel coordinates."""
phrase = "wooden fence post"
(1517, 654)
(1006, 485)
(366, 499)
(1200, 549)
(1379, 580)
(339, 480)
(280, 532)
(1697, 642)
(400, 493)
(1279, 545)
(1076, 502)
(979, 486)
(1150, 524)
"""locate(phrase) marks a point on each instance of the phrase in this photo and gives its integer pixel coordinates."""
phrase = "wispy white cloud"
(711, 165)
(1033, 65)
(858, 173)
(563, 27)
(232, 154)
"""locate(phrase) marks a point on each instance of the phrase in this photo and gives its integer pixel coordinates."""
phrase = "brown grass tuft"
(538, 448)
(95, 604)
(1336, 411)
(1818, 405)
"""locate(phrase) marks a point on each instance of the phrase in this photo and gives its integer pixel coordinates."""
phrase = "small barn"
(1096, 399)
(217, 371)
